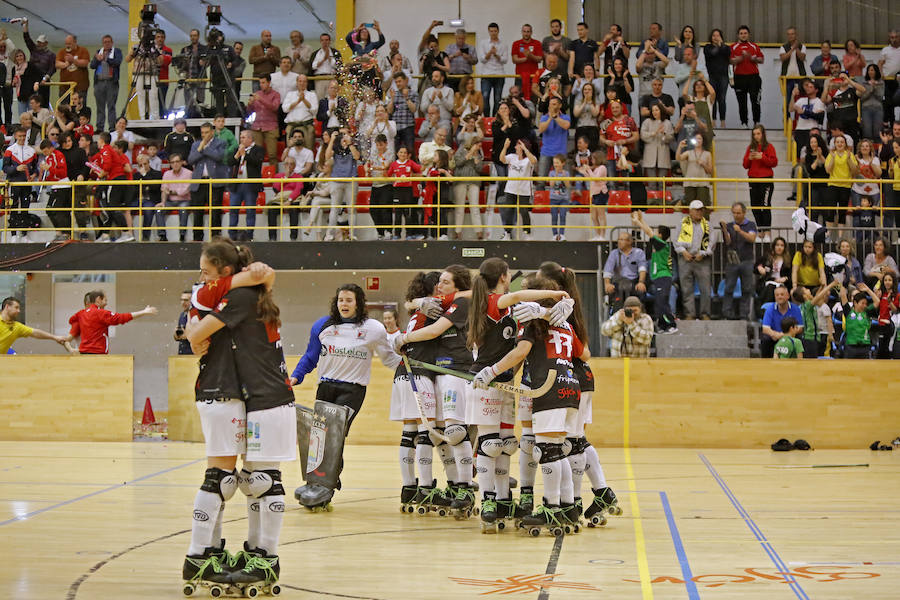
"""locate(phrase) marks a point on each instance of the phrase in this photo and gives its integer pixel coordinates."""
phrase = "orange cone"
(149, 418)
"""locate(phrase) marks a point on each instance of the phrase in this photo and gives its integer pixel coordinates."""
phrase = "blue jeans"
(182, 217)
(870, 121)
(744, 271)
(558, 214)
(495, 85)
(243, 193)
(105, 94)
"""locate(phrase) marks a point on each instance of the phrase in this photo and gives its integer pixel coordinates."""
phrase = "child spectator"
(152, 152)
(84, 127)
(789, 346)
(403, 194)
(857, 321)
(437, 196)
(864, 220)
(287, 193)
(559, 198)
(580, 156)
(596, 167)
(888, 305)
(809, 309)
(660, 273)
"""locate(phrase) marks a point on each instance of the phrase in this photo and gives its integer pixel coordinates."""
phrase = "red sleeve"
(493, 311)
(759, 52)
(211, 294)
(747, 158)
(733, 46)
(540, 51)
(770, 159)
(59, 171)
(390, 170)
(75, 330)
(111, 318)
(447, 300)
(416, 167)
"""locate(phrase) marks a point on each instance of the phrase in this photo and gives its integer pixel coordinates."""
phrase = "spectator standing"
(821, 64)
(517, 194)
(841, 165)
(192, 68)
(793, 60)
(76, 170)
(264, 57)
(759, 160)
(889, 64)
(651, 66)
(247, 160)
(858, 321)
(619, 81)
(287, 192)
(462, 58)
(870, 173)
(625, 271)
(427, 149)
(106, 64)
(554, 129)
(174, 195)
(401, 107)
(621, 132)
(656, 133)
(387, 61)
(333, 110)
(438, 95)
(560, 198)
(284, 81)
(878, 262)
(403, 168)
(789, 346)
(19, 165)
(842, 96)
(300, 106)
(888, 305)
(582, 51)
(871, 102)
(184, 346)
(781, 308)
(345, 155)
(226, 136)
(746, 58)
(556, 43)
(808, 267)
(809, 307)
(7, 83)
(586, 110)
(630, 331)
(165, 60)
(718, 58)
(599, 191)
(814, 156)
(265, 103)
(660, 273)
(431, 57)
(656, 39)
(543, 77)
(809, 111)
(852, 269)
(300, 54)
(613, 46)
(468, 100)
(493, 55)
(382, 211)
(53, 168)
(42, 59)
(147, 196)
(656, 96)
(207, 158)
(178, 141)
(325, 61)
(687, 39)
(526, 54)
(773, 269)
(468, 160)
(695, 247)
(72, 62)
(854, 62)
(360, 41)
(738, 237)
(688, 70)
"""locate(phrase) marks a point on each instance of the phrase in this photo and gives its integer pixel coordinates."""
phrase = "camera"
(628, 312)
(179, 331)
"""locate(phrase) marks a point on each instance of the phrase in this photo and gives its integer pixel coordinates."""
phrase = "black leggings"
(761, 203)
(342, 394)
(744, 86)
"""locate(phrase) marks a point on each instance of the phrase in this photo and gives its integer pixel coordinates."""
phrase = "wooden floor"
(111, 521)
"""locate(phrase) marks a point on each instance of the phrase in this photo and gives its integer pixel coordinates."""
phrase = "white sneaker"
(504, 237)
(560, 238)
(103, 238)
(23, 239)
(329, 238)
(126, 237)
(527, 237)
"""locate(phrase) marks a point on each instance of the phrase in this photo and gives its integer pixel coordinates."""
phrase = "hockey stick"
(505, 387)
(421, 405)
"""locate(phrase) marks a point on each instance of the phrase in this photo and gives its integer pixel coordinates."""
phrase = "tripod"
(225, 98)
(146, 75)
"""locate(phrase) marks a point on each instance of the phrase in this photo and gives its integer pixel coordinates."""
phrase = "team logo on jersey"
(221, 306)
(508, 332)
(361, 334)
(450, 310)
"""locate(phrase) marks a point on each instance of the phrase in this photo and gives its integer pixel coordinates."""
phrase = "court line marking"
(544, 594)
(34, 513)
(679, 549)
(640, 545)
(785, 572)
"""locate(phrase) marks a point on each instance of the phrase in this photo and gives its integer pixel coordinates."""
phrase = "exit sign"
(373, 284)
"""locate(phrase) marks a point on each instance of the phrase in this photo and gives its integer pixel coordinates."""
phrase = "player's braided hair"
(224, 253)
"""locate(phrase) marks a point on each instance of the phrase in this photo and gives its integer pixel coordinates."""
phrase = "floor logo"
(524, 584)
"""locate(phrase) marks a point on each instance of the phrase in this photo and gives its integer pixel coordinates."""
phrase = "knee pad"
(579, 445)
(408, 439)
(261, 483)
(510, 445)
(490, 445)
(547, 452)
(567, 446)
(217, 481)
(526, 444)
(456, 434)
(434, 434)
(424, 439)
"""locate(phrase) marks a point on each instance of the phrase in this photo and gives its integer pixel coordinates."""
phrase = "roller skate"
(428, 498)
(239, 561)
(463, 505)
(489, 513)
(407, 494)
(259, 575)
(526, 499)
(547, 517)
(509, 510)
(209, 570)
(604, 501)
(571, 517)
(315, 497)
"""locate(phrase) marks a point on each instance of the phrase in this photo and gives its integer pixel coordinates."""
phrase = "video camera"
(147, 29)
(215, 39)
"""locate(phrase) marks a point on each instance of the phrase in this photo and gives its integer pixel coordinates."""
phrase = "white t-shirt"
(302, 156)
(891, 58)
(805, 124)
(347, 350)
(792, 68)
(869, 188)
(518, 167)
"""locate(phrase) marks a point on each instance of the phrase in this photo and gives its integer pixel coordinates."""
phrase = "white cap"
(696, 205)
(41, 39)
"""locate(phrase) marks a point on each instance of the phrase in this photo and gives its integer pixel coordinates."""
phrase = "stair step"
(701, 341)
(704, 353)
(715, 328)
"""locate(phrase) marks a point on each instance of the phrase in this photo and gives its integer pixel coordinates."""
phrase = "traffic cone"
(149, 418)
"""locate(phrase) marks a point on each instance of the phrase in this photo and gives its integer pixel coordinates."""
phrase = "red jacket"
(92, 324)
(57, 163)
(111, 161)
(761, 167)
(403, 169)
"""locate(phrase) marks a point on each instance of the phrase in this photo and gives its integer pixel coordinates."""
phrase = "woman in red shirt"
(888, 305)
(759, 159)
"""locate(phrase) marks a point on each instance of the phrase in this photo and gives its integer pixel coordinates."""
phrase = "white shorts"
(224, 424)
(525, 404)
(403, 400)
(489, 407)
(585, 413)
(555, 420)
(451, 391)
(272, 434)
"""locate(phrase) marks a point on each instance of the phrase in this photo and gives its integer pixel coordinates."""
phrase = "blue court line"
(98, 492)
(773, 555)
(679, 549)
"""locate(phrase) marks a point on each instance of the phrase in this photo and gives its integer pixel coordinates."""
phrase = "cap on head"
(696, 205)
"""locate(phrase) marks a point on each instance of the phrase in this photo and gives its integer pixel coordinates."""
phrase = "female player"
(546, 348)
(243, 394)
(342, 345)
(451, 352)
(492, 330)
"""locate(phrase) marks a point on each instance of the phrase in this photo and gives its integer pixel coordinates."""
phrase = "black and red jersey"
(499, 338)
(451, 351)
(423, 351)
(555, 351)
(584, 375)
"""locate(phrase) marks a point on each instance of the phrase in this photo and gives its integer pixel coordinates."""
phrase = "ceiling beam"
(39, 17)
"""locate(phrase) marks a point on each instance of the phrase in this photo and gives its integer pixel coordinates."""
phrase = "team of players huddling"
(466, 339)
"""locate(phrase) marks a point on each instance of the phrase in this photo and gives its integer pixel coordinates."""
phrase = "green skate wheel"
(534, 531)
(188, 589)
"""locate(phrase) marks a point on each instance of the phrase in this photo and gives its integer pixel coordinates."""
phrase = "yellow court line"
(643, 566)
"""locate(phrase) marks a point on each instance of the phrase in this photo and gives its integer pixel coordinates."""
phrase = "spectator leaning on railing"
(630, 331)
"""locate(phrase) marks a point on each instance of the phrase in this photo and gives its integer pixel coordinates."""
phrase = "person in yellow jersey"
(11, 329)
(841, 164)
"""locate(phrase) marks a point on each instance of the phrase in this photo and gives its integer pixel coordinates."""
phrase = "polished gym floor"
(108, 520)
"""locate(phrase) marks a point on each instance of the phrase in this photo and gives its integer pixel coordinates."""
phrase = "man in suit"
(247, 165)
(333, 109)
(208, 159)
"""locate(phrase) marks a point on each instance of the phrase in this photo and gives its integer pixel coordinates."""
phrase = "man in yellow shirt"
(11, 329)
